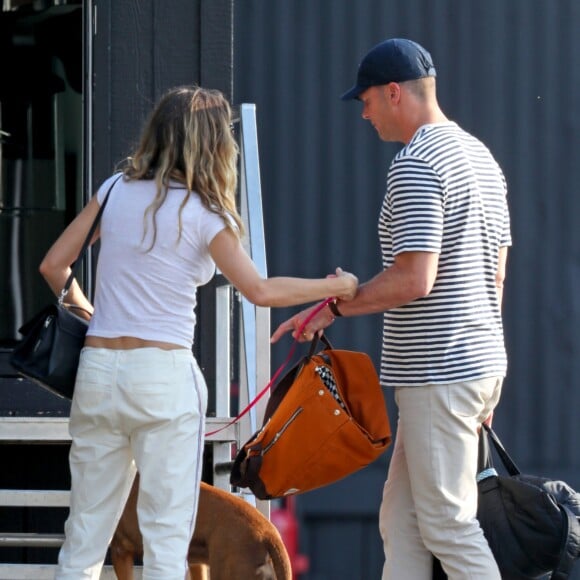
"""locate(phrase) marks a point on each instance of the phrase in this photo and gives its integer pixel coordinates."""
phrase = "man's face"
(378, 110)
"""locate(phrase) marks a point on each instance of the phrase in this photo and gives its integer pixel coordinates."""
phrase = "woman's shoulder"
(108, 185)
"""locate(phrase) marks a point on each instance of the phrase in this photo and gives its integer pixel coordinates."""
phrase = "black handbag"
(53, 338)
(531, 523)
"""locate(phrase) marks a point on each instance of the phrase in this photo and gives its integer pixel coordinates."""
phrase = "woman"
(140, 399)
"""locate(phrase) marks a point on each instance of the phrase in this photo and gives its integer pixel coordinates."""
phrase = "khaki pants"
(134, 409)
(430, 498)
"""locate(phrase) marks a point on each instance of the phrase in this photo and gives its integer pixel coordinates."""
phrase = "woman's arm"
(55, 267)
(235, 264)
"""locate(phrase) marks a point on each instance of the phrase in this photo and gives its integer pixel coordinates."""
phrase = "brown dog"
(231, 536)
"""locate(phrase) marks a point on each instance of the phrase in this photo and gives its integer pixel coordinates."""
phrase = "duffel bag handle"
(323, 338)
(507, 461)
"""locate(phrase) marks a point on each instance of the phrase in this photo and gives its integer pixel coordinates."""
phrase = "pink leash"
(280, 368)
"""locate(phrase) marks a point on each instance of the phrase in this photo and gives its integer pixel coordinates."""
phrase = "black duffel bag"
(531, 523)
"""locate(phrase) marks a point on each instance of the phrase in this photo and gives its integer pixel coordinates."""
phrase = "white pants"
(134, 409)
(430, 498)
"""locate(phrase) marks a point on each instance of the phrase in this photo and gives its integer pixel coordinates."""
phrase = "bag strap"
(484, 461)
(316, 310)
(86, 244)
(323, 338)
(507, 461)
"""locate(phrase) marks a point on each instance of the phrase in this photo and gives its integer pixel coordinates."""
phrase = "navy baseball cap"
(392, 61)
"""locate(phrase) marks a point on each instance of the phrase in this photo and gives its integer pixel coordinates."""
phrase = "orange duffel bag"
(325, 419)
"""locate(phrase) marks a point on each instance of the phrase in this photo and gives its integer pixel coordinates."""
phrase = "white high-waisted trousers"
(138, 409)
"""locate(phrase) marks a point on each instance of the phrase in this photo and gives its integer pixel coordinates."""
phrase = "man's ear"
(393, 92)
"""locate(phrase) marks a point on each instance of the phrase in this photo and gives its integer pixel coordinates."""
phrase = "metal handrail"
(255, 321)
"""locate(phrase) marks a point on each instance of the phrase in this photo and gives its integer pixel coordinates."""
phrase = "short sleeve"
(104, 188)
(210, 225)
(416, 199)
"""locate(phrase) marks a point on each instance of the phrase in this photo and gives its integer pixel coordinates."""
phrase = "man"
(444, 233)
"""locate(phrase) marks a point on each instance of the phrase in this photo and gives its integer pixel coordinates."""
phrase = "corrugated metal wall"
(509, 72)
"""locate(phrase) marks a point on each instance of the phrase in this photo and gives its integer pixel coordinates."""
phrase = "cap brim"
(352, 93)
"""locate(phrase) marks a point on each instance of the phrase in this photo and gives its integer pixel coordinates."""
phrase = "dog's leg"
(198, 572)
(232, 541)
(123, 562)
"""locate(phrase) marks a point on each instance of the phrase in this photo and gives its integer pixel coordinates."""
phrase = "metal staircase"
(239, 327)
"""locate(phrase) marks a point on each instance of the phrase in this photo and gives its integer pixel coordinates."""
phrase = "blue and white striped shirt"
(445, 194)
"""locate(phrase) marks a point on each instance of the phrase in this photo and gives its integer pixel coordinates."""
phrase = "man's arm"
(500, 274)
(499, 279)
(410, 277)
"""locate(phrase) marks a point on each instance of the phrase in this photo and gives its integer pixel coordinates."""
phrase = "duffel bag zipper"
(281, 432)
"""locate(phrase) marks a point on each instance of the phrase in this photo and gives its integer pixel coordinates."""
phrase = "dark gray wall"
(141, 49)
(509, 72)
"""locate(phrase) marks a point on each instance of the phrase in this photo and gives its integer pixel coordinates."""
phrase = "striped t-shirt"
(445, 194)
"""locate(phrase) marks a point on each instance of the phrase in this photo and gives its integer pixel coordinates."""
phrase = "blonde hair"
(188, 139)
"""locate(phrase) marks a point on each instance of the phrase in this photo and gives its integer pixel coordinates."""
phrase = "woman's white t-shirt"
(151, 293)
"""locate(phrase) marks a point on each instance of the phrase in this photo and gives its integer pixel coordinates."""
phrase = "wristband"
(334, 308)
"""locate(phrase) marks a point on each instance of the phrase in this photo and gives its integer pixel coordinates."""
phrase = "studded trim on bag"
(327, 378)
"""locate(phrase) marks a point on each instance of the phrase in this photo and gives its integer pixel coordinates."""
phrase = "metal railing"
(255, 320)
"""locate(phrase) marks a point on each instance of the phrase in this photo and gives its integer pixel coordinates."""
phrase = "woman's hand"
(350, 287)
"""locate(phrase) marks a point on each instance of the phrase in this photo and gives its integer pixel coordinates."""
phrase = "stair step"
(46, 572)
(34, 498)
(55, 429)
(30, 540)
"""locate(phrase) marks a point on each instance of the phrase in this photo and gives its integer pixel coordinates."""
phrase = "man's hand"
(489, 420)
(323, 319)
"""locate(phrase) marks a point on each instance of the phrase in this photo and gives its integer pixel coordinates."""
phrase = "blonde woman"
(140, 399)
